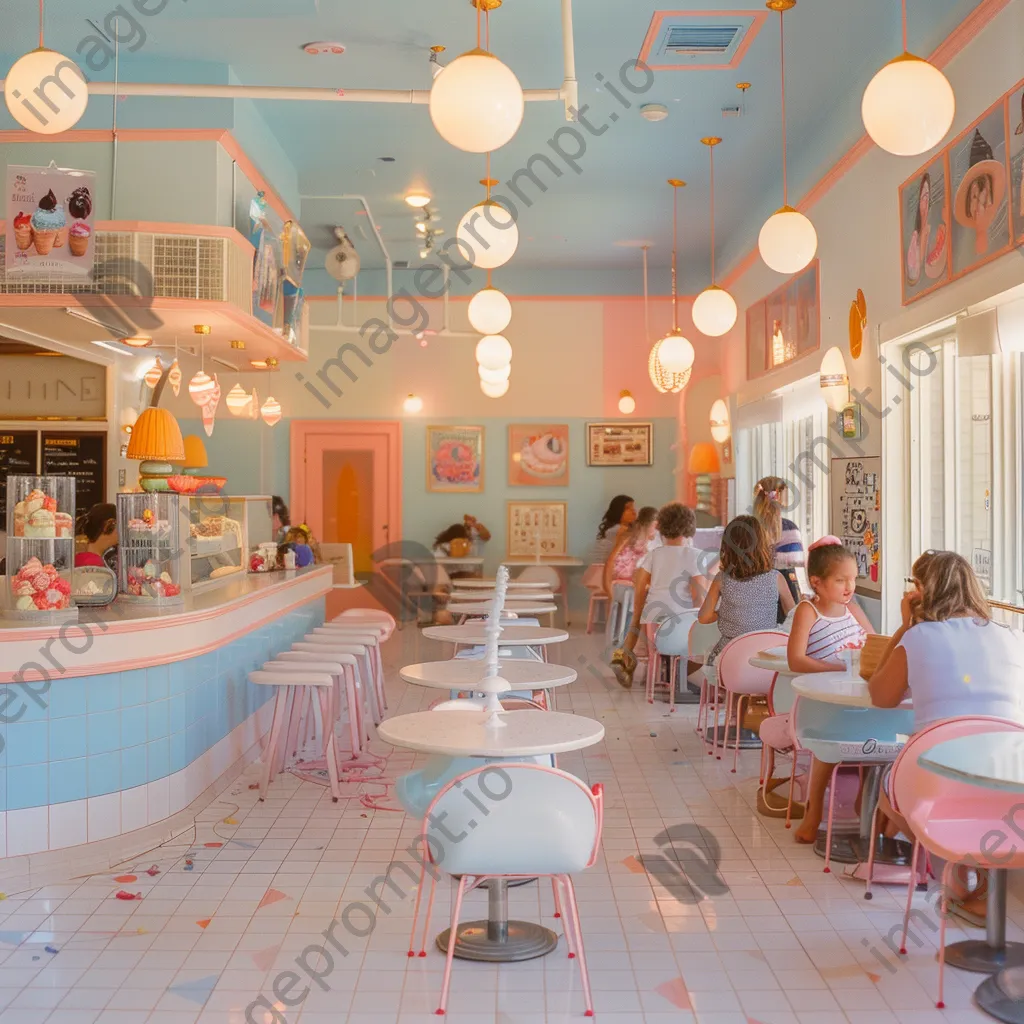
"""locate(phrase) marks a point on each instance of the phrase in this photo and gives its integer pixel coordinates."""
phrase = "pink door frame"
(306, 496)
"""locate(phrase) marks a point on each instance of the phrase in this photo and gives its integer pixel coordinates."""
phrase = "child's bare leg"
(814, 811)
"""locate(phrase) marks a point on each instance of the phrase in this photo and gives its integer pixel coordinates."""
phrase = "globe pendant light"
(494, 390)
(495, 376)
(488, 234)
(46, 92)
(664, 381)
(627, 403)
(237, 400)
(154, 373)
(674, 352)
(908, 107)
(489, 311)
(493, 352)
(788, 240)
(477, 103)
(714, 310)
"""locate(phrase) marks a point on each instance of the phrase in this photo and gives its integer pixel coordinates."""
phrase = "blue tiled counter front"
(96, 755)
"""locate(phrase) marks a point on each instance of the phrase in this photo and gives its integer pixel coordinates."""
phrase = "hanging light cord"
(675, 244)
(40, 24)
(712, 149)
(782, 62)
(905, 26)
(647, 322)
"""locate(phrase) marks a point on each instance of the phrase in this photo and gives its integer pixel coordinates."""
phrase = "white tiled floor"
(785, 944)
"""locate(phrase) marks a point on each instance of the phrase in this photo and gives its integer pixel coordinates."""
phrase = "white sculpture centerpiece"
(493, 684)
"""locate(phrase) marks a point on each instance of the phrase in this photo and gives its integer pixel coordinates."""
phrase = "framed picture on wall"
(786, 324)
(1016, 140)
(924, 229)
(455, 459)
(620, 444)
(536, 529)
(538, 455)
(980, 196)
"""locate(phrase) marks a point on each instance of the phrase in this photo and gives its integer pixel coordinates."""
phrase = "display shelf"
(152, 549)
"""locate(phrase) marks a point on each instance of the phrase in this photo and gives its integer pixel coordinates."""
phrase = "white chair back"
(541, 574)
(673, 635)
(703, 636)
(541, 821)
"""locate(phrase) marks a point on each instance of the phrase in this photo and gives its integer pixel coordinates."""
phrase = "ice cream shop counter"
(113, 723)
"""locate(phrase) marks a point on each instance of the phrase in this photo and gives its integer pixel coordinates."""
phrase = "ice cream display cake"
(36, 516)
(38, 587)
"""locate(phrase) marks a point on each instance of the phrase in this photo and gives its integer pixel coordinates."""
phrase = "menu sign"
(83, 456)
(17, 458)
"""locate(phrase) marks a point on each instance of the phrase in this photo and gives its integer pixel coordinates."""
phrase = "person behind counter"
(280, 519)
(99, 527)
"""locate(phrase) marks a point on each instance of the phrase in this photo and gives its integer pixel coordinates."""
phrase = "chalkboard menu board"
(81, 455)
(17, 458)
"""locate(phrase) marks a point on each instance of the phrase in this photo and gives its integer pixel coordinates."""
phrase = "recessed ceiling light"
(417, 199)
(654, 111)
(314, 49)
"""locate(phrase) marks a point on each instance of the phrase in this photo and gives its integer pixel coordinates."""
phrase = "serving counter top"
(124, 636)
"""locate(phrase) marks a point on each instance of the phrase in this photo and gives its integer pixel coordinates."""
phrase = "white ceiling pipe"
(186, 90)
(570, 87)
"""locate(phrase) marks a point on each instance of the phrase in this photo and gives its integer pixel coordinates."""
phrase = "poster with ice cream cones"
(49, 222)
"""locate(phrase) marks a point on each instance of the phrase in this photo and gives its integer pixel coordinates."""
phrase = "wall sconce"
(835, 384)
(721, 429)
(627, 403)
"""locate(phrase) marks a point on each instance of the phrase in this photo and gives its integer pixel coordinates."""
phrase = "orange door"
(346, 483)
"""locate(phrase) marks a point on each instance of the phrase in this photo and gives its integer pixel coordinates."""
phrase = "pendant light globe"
(675, 352)
(477, 104)
(488, 235)
(788, 241)
(62, 108)
(489, 311)
(908, 107)
(495, 376)
(493, 352)
(665, 382)
(714, 312)
(494, 390)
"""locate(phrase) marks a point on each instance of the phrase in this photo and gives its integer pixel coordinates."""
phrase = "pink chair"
(741, 681)
(547, 825)
(953, 820)
(778, 742)
(593, 580)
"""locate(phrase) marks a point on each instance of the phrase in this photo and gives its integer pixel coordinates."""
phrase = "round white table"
(464, 734)
(990, 761)
(849, 690)
(476, 596)
(462, 674)
(519, 607)
(490, 585)
(475, 633)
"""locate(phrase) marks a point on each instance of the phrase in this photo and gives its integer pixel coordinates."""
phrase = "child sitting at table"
(746, 594)
(824, 626)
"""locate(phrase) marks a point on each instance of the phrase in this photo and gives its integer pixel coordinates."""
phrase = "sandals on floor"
(624, 665)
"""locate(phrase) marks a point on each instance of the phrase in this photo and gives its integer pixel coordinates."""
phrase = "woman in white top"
(952, 657)
(669, 579)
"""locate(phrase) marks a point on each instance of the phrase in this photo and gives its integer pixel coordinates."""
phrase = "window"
(957, 423)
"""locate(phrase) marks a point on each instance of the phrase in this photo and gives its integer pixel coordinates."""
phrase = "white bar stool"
(291, 684)
(343, 667)
(361, 636)
(329, 646)
(375, 615)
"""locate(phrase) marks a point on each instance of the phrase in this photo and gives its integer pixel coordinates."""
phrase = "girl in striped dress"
(823, 626)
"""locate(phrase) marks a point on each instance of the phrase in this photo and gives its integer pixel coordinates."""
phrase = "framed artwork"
(536, 529)
(924, 230)
(455, 459)
(1015, 137)
(538, 455)
(786, 324)
(980, 200)
(620, 444)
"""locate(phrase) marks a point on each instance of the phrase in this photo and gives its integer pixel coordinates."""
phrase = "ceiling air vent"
(401, 264)
(677, 40)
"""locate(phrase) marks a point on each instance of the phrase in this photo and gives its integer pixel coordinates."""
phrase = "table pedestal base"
(748, 740)
(499, 940)
(843, 847)
(1002, 996)
(995, 953)
(893, 853)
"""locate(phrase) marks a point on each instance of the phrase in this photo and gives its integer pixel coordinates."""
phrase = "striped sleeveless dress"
(829, 636)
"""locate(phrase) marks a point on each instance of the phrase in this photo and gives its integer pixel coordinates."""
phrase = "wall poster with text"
(49, 222)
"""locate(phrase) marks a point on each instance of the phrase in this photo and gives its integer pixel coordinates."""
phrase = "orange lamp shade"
(195, 453)
(156, 437)
(704, 459)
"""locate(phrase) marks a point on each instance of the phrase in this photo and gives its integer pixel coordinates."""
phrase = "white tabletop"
(771, 662)
(846, 689)
(475, 633)
(558, 561)
(477, 596)
(473, 584)
(464, 734)
(992, 759)
(467, 560)
(519, 607)
(462, 674)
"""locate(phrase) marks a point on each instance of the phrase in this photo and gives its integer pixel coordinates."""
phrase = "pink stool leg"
(739, 718)
(452, 939)
(416, 907)
(329, 744)
(831, 815)
(277, 726)
(910, 897)
(578, 931)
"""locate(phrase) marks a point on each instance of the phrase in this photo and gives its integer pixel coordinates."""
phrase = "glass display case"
(259, 530)
(152, 548)
(40, 547)
(93, 586)
(218, 542)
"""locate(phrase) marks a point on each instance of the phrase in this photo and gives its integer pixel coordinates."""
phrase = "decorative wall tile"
(28, 786)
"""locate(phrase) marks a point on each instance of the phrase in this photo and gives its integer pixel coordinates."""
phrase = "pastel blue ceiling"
(579, 235)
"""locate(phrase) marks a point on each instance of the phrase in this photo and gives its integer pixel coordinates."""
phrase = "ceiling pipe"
(568, 93)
